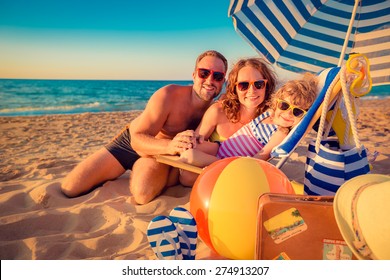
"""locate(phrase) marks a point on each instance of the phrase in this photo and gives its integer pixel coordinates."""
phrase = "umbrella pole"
(341, 59)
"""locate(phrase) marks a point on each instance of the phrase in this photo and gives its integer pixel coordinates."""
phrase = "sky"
(116, 39)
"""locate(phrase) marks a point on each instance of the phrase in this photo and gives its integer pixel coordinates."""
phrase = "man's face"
(207, 77)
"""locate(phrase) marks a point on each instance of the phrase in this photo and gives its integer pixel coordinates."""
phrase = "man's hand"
(183, 141)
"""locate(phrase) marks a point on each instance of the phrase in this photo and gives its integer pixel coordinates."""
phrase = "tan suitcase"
(298, 227)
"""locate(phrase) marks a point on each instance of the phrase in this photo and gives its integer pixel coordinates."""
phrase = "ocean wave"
(49, 108)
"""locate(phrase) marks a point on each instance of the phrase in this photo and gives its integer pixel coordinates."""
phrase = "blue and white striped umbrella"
(309, 35)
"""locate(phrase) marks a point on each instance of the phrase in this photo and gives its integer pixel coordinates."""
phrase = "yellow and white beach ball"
(224, 203)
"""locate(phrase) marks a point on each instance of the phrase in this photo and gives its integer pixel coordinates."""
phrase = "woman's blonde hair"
(230, 102)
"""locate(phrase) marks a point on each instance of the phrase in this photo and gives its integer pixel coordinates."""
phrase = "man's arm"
(144, 128)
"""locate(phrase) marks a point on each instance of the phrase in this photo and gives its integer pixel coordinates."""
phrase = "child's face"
(286, 118)
(250, 97)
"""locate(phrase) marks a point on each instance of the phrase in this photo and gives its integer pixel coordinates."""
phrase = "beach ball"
(224, 199)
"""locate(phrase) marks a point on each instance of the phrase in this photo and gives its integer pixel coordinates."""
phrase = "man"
(166, 126)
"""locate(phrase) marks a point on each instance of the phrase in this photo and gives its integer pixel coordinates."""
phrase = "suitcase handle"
(315, 198)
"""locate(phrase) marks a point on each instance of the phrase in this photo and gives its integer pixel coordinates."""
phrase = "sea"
(46, 97)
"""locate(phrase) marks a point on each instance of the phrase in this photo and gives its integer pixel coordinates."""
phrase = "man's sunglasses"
(284, 106)
(243, 86)
(205, 73)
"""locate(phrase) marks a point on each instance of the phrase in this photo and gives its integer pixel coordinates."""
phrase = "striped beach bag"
(329, 167)
(328, 163)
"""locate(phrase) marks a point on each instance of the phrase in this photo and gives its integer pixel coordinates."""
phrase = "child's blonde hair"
(302, 92)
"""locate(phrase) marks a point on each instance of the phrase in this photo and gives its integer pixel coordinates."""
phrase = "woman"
(257, 138)
(241, 103)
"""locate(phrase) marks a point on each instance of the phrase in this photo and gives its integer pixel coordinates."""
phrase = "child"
(257, 138)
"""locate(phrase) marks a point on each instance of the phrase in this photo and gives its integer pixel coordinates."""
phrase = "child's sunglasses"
(205, 73)
(284, 106)
(243, 86)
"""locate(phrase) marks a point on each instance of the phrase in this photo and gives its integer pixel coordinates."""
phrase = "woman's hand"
(183, 141)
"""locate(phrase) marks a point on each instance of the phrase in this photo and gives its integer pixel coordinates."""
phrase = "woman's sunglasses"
(284, 106)
(243, 86)
(205, 73)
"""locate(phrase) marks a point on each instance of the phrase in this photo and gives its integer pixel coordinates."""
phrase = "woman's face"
(248, 94)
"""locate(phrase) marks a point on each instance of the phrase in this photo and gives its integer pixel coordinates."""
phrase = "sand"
(38, 222)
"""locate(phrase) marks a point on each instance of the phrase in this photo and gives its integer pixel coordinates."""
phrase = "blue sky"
(116, 39)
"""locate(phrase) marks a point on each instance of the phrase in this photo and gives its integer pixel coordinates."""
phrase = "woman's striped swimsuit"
(249, 139)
